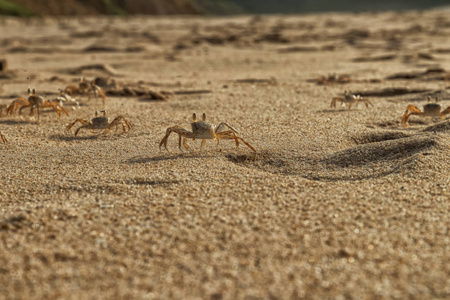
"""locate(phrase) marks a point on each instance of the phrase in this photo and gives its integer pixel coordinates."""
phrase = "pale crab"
(66, 99)
(86, 87)
(429, 110)
(101, 122)
(350, 99)
(204, 131)
(2, 137)
(34, 103)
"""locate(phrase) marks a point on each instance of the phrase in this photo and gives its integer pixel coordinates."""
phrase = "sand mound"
(439, 127)
(375, 155)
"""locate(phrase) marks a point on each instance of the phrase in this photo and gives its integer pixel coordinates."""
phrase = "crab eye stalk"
(204, 117)
(194, 117)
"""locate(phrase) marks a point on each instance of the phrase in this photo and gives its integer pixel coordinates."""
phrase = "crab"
(2, 137)
(350, 99)
(204, 131)
(86, 87)
(34, 103)
(101, 122)
(429, 110)
(66, 98)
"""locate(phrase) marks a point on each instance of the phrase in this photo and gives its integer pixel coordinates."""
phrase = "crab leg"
(15, 105)
(116, 122)
(365, 101)
(185, 144)
(247, 144)
(368, 102)
(83, 126)
(445, 112)
(26, 106)
(178, 130)
(182, 140)
(37, 110)
(413, 111)
(226, 135)
(56, 107)
(99, 91)
(334, 100)
(3, 138)
(230, 132)
(226, 125)
(179, 142)
(82, 121)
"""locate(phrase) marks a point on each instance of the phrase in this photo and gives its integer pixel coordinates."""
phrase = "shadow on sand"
(62, 137)
(16, 122)
(164, 157)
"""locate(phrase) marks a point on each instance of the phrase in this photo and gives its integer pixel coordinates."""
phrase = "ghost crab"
(101, 122)
(351, 99)
(86, 87)
(66, 98)
(2, 137)
(429, 110)
(204, 131)
(34, 103)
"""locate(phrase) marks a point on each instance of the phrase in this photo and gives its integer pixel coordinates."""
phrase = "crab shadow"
(337, 110)
(62, 137)
(16, 122)
(166, 157)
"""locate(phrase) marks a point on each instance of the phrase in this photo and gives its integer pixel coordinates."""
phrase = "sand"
(336, 204)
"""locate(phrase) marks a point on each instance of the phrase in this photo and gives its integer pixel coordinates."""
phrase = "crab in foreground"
(350, 99)
(429, 110)
(101, 122)
(204, 131)
(2, 137)
(86, 87)
(34, 103)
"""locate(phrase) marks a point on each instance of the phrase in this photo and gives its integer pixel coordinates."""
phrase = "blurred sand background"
(337, 203)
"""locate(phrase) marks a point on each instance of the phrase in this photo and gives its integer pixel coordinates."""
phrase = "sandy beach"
(337, 203)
